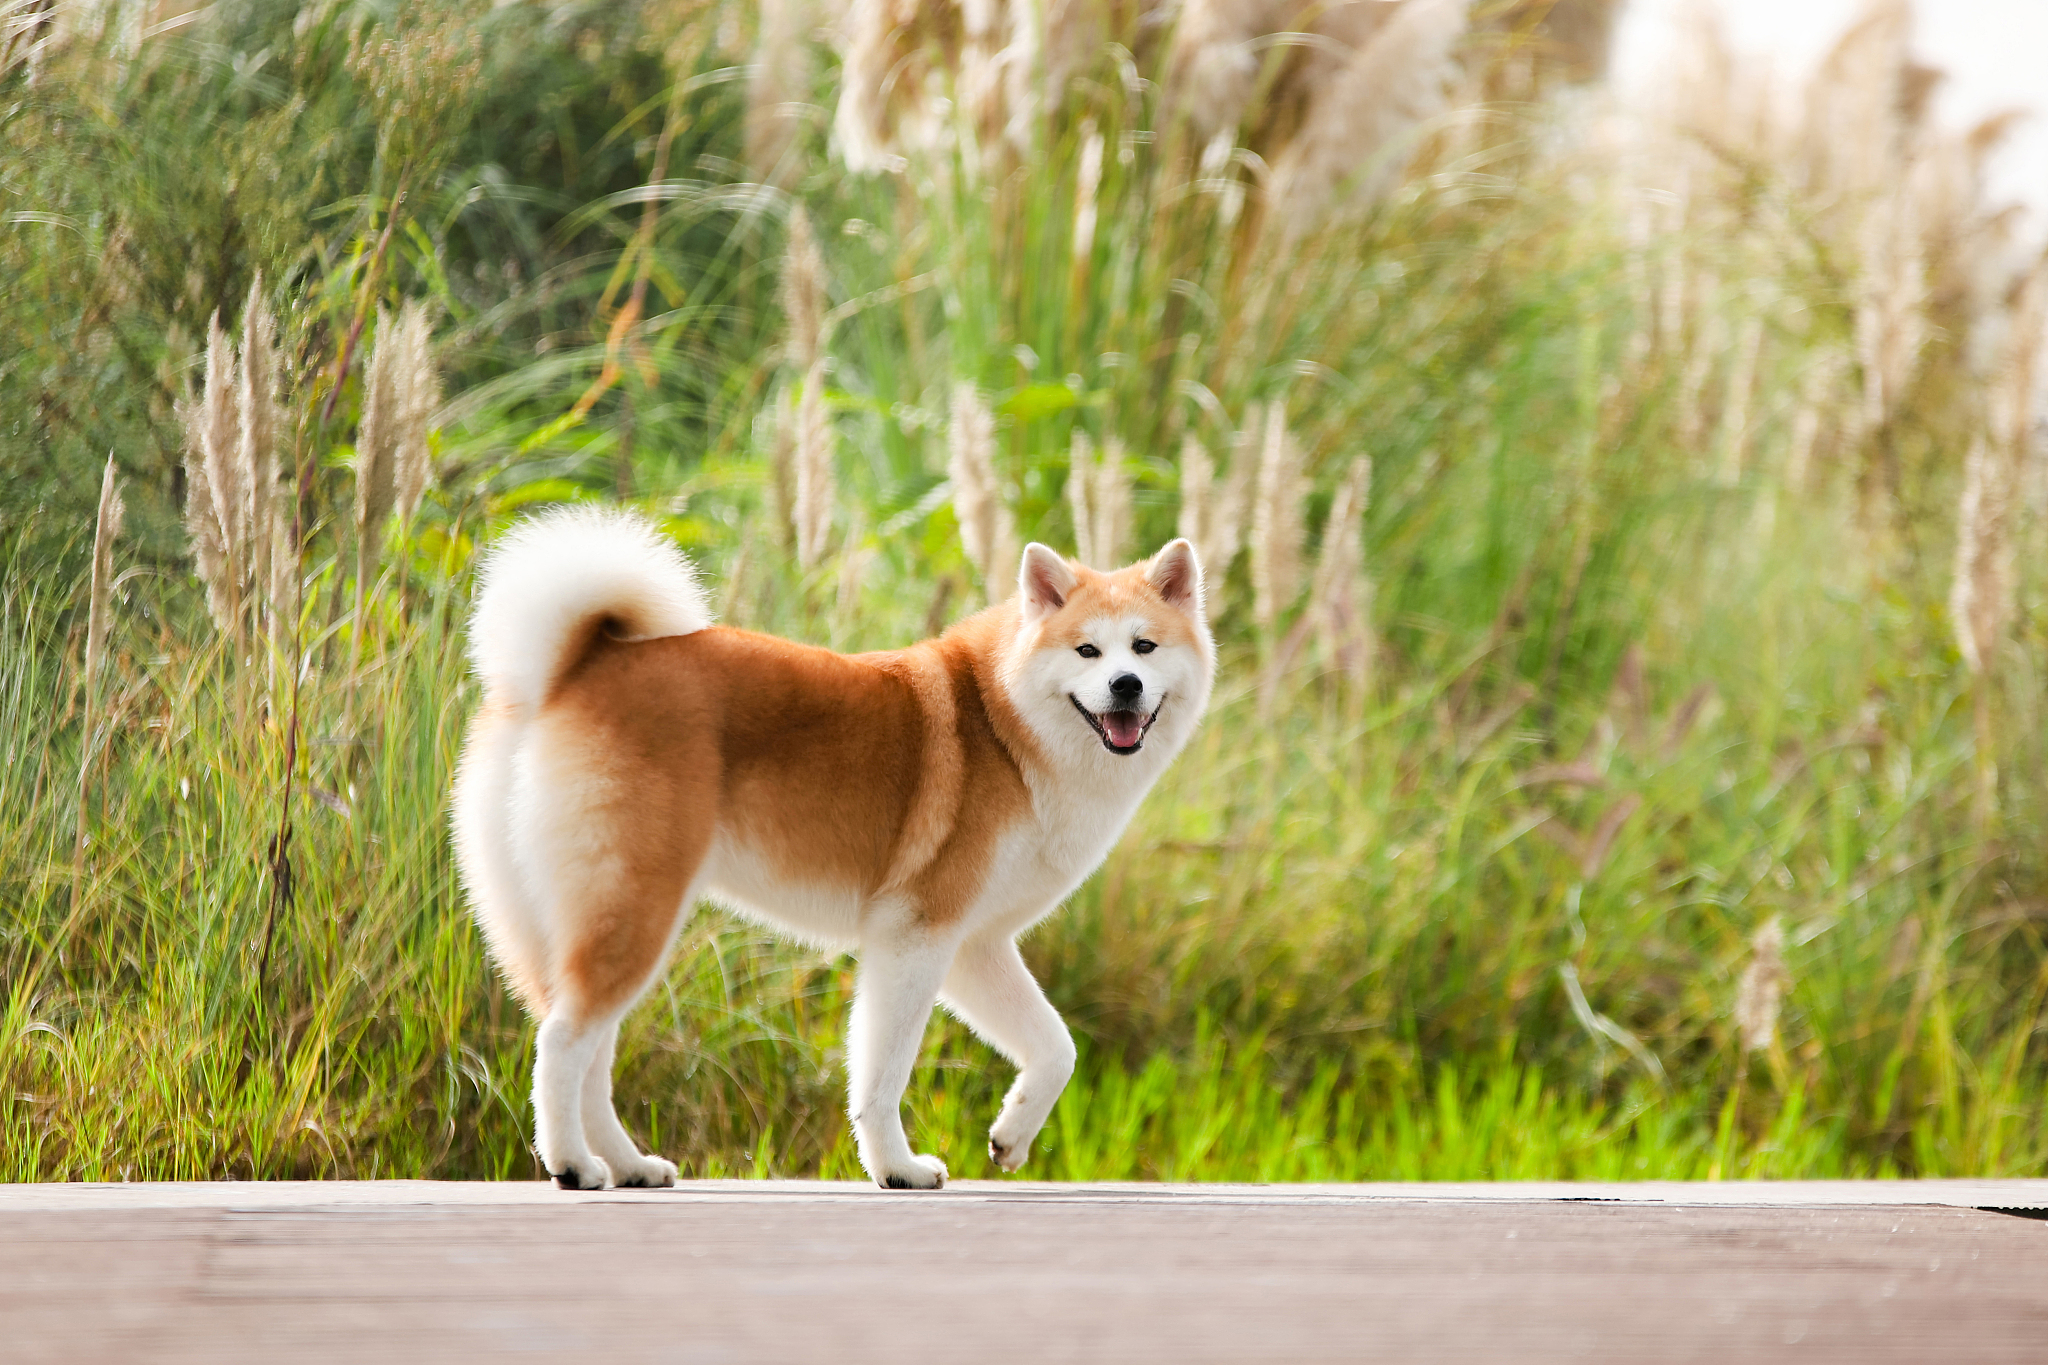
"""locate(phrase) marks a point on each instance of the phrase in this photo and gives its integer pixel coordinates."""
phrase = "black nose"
(1125, 686)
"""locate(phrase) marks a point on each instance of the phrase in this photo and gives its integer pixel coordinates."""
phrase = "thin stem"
(279, 853)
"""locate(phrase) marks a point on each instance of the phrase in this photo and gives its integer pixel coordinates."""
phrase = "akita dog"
(921, 807)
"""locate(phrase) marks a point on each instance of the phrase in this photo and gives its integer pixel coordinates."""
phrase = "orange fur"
(878, 772)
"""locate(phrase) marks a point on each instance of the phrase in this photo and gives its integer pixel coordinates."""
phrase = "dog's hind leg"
(576, 1128)
(565, 1050)
(621, 893)
(992, 992)
(607, 1136)
(898, 980)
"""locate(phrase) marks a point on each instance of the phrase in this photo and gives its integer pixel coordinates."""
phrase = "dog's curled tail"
(553, 582)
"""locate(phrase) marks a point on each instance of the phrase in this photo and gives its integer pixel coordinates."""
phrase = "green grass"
(1340, 941)
(1327, 949)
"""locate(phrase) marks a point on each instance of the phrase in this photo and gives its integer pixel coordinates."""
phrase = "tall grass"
(1655, 560)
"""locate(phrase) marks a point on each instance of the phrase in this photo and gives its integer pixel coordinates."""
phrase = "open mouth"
(1122, 732)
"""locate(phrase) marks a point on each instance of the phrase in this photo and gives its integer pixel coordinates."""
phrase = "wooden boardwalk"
(1014, 1272)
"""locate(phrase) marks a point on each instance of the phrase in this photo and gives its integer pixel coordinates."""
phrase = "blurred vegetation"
(1627, 773)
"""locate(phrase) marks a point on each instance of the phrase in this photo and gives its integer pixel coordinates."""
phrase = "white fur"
(817, 913)
(901, 970)
(550, 575)
(991, 990)
(506, 909)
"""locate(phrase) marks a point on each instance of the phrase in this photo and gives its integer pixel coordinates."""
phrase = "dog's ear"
(1044, 582)
(1176, 575)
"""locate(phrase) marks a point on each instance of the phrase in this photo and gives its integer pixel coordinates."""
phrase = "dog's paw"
(584, 1173)
(644, 1173)
(921, 1173)
(1009, 1156)
(1009, 1142)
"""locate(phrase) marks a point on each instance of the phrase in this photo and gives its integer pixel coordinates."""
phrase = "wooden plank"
(778, 1272)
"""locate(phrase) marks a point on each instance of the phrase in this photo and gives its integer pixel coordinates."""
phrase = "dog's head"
(1107, 662)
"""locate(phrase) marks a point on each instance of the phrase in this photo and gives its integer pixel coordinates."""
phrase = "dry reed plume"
(1212, 513)
(1277, 529)
(779, 89)
(232, 500)
(883, 70)
(1080, 494)
(376, 449)
(1334, 97)
(1088, 185)
(1340, 596)
(1004, 65)
(1099, 497)
(1211, 67)
(1901, 212)
(1362, 123)
(804, 306)
(802, 292)
(1981, 600)
(988, 529)
(1859, 108)
(1891, 318)
(419, 396)
(1761, 993)
(776, 430)
(401, 390)
(816, 488)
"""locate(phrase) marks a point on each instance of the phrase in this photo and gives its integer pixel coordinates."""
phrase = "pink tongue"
(1125, 727)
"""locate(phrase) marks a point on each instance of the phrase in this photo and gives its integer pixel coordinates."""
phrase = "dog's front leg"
(993, 992)
(899, 979)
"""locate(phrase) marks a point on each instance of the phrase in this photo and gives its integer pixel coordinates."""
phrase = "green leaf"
(1034, 401)
(567, 420)
(540, 490)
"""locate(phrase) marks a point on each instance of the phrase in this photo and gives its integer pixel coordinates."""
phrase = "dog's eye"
(1089, 652)
(1143, 647)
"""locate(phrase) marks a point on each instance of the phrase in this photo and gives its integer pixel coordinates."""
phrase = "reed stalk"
(98, 625)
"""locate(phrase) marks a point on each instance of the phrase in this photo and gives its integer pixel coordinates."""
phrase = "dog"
(921, 807)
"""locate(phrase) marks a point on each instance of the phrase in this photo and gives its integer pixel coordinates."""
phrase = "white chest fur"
(1071, 829)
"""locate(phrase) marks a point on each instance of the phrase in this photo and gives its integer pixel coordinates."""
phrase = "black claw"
(895, 1182)
(568, 1179)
